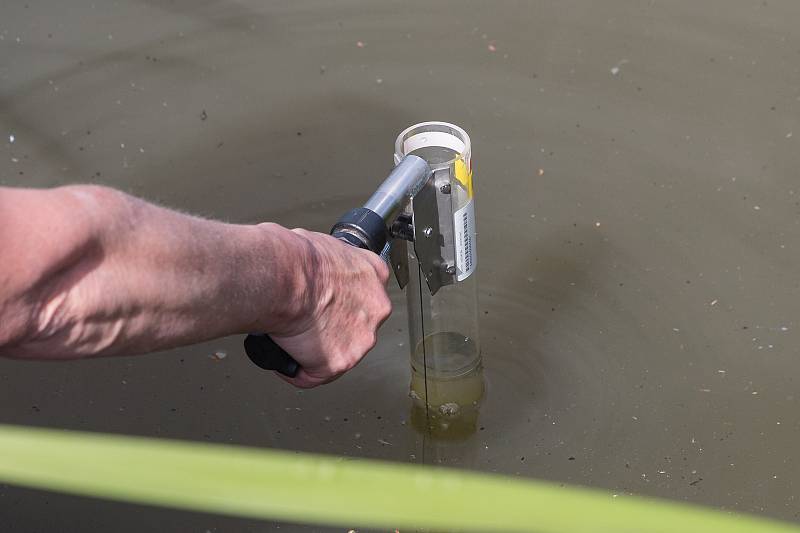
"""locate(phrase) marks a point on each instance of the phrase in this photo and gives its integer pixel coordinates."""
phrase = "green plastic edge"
(316, 489)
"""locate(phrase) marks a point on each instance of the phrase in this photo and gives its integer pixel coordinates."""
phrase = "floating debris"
(360, 44)
(616, 68)
(491, 47)
(11, 138)
(218, 355)
(449, 409)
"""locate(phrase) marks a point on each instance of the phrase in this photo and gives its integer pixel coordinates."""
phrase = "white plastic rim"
(434, 133)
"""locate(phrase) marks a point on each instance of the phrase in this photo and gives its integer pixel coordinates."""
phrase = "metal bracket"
(398, 259)
(429, 242)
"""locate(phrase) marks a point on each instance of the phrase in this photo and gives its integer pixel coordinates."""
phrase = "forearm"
(130, 277)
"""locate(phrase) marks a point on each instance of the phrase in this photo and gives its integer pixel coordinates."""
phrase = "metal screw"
(450, 270)
(427, 231)
(445, 188)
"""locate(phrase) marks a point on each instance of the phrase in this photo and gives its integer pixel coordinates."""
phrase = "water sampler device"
(421, 220)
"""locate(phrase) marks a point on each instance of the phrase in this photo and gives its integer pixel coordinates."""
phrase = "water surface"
(637, 201)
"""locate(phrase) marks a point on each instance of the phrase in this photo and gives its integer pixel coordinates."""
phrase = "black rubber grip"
(266, 354)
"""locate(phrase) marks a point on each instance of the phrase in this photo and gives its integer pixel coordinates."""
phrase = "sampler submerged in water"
(422, 220)
(436, 262)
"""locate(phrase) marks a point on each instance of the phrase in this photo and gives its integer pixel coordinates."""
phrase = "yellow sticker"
(464, 175)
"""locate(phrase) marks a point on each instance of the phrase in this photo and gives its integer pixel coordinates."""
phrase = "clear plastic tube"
(447, 380)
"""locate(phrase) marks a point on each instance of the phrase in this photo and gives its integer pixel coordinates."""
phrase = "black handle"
(266, 353)
(361, 228)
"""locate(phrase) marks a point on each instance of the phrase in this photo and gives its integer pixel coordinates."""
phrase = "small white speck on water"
(616, 68)
(11, 138)
(705, 390)
(784, 328)
(754, 393)
(385, 442)
(141, 150)
(530, 280)
(757, 207)
(721, 371)
(14, 160)
(597, 224)
(378, 80)
(789, 135)
(327, 419)
(714, 302)
(675, 330)
(122, 145)
(635, 417)
(778, 423)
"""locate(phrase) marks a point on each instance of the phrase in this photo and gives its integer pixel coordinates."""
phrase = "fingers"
(305, 381)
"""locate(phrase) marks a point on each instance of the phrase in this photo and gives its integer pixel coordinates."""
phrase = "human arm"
(91, 271)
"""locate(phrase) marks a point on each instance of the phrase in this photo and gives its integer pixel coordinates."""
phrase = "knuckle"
(383, 271)
(385, 308)
(337, 366)
(372, 340)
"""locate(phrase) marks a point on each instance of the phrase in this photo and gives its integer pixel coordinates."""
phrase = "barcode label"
(466, 255)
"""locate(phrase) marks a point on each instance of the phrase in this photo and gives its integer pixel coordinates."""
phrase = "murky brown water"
(638, 208)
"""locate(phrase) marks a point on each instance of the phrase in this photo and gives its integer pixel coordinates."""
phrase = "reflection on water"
(451, 384)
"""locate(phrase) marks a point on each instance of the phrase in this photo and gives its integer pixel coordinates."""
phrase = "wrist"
(285, 264)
